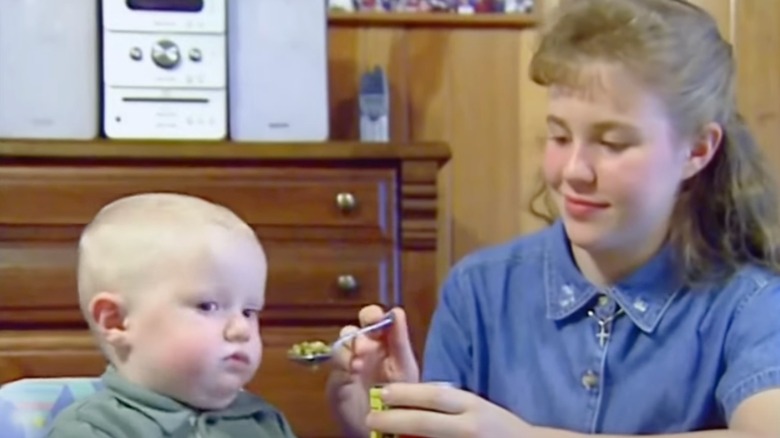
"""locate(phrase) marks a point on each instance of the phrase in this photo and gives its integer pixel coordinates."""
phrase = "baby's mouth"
(239, 357)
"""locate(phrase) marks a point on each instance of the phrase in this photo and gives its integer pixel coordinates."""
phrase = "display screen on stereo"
(166, 5)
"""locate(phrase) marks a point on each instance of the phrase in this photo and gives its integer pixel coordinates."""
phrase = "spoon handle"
(386, 320)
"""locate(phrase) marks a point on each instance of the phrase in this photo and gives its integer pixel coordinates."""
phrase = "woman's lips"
(581, 208)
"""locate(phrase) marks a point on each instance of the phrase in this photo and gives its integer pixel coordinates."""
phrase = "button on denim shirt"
(513, 326)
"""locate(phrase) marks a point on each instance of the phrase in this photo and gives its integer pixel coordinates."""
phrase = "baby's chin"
(209, 396)
(202, 389)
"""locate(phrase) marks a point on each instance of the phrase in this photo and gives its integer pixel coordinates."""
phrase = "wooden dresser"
(343, 224)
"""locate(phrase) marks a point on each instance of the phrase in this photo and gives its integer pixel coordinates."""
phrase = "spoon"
(318, 358)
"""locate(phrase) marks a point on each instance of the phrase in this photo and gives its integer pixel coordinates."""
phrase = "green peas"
(309, 348)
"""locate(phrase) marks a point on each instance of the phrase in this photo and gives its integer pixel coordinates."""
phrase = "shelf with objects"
(438, 13)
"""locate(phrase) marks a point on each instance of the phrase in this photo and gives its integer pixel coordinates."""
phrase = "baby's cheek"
(186, 354)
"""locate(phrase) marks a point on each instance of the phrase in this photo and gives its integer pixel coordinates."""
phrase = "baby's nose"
(237, 330)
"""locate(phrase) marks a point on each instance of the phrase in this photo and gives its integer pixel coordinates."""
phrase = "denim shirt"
(513, 326)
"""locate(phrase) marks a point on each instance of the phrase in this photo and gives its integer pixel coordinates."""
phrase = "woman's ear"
(108, 311)
(703, 149)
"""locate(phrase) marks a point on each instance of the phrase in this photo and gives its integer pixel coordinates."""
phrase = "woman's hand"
(437, 411)
(380, 357)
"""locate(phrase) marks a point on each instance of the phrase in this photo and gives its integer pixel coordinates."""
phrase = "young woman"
(651, 305)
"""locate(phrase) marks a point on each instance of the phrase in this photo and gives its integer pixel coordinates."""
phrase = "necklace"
(604, 333)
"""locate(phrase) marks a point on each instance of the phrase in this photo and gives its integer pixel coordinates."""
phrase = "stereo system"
(251, 70)
(49, 79)
(164, 69)
(278, 63)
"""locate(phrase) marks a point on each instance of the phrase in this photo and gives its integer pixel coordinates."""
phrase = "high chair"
(28, 406)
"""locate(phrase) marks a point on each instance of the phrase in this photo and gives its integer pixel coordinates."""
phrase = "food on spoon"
(309, 349)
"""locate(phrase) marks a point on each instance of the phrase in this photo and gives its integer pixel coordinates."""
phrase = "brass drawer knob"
(346, 202)
(347, 283)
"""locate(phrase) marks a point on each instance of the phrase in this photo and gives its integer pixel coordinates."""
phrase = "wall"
(468, 86)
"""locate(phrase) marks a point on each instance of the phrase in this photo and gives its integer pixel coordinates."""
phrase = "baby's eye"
(251, 313)
(208, 306)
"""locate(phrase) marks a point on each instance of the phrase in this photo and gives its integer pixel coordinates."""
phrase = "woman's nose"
(579, 166)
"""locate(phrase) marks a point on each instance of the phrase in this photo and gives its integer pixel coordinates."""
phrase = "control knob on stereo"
(165, 54)
(196, 55)
(136, 54)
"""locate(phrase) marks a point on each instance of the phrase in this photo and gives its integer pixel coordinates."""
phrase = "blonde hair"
(139, 240)
(726, 215)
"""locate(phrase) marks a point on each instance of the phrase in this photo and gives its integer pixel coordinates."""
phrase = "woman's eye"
(618, 140)
(208, 306)
(559, 140)
(615, 145)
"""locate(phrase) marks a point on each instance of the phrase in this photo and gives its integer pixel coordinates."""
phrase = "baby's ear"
(108, 312)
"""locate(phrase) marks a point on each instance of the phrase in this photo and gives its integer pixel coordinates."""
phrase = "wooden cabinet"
(343, 225)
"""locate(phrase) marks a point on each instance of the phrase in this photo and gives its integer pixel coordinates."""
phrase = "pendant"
(603, 333)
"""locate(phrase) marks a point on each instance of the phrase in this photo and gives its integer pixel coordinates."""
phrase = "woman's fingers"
(436, 397)
(343, 357)
(370, 314)
(360, 351)
(399, 346)
(392, 343)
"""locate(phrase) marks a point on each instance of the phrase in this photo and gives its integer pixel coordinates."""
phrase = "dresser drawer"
(273, 196)
(330, 277)
(39, 282)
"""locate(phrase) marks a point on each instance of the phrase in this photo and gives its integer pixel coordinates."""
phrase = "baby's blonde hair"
(136, 241)
(725, 216)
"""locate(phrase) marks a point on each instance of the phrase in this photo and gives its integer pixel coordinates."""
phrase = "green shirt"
(125, 410)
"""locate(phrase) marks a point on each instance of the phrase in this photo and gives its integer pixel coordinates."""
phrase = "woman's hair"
(726, 215)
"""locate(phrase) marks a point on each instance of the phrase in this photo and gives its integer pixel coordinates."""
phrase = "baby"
(171, 286)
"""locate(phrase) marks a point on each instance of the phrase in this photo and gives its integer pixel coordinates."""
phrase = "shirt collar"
(168, 413)
(644, 295)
